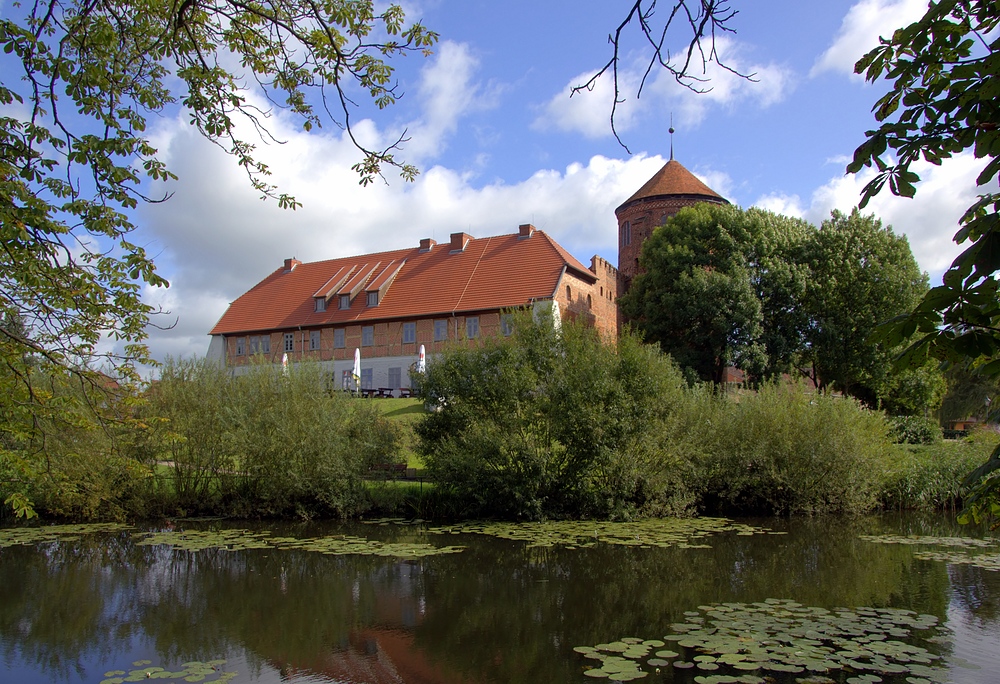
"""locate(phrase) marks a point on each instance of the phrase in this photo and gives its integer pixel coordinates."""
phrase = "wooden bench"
(395, 471)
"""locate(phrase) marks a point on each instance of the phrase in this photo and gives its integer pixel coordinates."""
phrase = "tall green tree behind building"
(771, 294)
(861, 274)
(720, 287)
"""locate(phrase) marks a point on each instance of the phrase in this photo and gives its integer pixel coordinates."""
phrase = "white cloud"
(788, 205)
(588, 112)
(447, 92)
(770, 84)
(929, 220)
(859, 32)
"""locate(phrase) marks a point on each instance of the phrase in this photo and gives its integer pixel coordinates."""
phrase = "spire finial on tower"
(671, 130)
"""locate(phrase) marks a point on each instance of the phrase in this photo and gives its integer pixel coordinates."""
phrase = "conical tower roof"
(673, 180)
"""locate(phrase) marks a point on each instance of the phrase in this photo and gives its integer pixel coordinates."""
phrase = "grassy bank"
(405, 413)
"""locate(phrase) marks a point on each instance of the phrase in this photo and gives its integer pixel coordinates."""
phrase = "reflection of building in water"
(385, 652)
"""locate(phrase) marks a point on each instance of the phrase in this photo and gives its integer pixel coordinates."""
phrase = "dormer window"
(320, 304)
(345, 301)
(373, 298)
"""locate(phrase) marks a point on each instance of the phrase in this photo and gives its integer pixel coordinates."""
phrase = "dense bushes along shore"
(539, 425)
(549, 424)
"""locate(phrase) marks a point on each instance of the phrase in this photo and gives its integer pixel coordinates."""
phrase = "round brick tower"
(663, 195)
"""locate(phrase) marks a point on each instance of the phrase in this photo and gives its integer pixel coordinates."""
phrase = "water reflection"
(498, 612)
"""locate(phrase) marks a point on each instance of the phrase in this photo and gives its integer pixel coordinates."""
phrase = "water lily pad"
(335, 545)
(653, 533)
(787, 638)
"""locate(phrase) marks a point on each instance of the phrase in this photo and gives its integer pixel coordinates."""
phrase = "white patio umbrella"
(422, 361)
(356, 373)
(284, 363)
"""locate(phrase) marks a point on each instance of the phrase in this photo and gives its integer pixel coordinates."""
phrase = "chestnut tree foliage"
(944, 100)
(79, 81)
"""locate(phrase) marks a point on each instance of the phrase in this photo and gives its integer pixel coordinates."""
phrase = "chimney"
(426, 244)
(458, 241)
(290, 264)
(525, 230)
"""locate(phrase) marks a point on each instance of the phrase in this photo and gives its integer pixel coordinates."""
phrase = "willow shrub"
(785, 450)
(265, 442)
(930, 476)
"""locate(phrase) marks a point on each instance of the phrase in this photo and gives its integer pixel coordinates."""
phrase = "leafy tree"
(551, 423)
(721, 286)
(771, 294)
(78, 83)
(944, 100)
(861, 275)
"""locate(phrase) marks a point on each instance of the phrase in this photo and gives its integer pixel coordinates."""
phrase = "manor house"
(388, 304)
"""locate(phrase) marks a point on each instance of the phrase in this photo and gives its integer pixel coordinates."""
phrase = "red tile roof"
(673, 179)
(490, 273)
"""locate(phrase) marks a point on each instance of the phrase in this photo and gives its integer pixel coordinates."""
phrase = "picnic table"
(405, 393)
(385, 392)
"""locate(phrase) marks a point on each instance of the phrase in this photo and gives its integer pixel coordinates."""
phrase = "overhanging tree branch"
(702, 19)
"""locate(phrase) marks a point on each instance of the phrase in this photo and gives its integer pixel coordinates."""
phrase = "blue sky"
(499, 142)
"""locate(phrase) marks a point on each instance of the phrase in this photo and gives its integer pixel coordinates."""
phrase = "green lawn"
(405, 412)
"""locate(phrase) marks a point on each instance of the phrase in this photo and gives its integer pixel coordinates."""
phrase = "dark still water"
(101, 607)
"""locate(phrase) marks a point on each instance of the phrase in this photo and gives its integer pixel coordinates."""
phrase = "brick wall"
(387, 340)
(596, 304)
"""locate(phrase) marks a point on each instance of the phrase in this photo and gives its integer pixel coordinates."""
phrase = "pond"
(885, 598)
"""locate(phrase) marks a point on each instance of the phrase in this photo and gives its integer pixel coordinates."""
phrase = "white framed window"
(345, 301)
(320, 303)
(346, 380)
(366, 378)
(254, 344)
(395, 377)
(368, 336)
(409, 333)
(265, 344)
(314, 339)
(472, 327)
(289, 342)
(338, 338)
(241, 346)
(441, 330)
(373, 298)
(506, 325)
